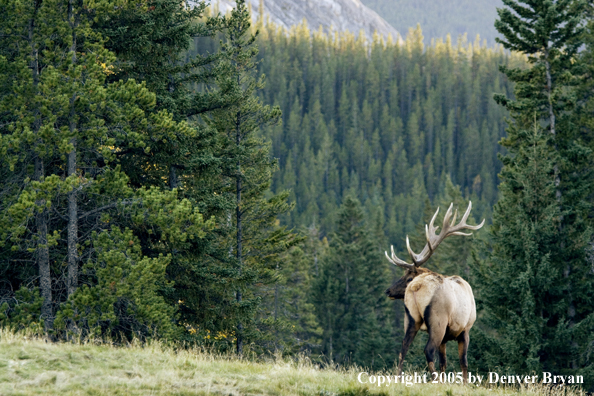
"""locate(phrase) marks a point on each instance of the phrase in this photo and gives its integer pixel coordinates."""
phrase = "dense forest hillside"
(385, 123)
(441, 17)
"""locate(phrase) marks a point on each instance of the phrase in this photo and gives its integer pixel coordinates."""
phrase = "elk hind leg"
(443, 361)
(436, 332)
(411, 331)
(463, 341)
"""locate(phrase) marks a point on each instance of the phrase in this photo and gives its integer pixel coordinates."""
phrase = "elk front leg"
(411, 331)
(463, 341)
(443, 361)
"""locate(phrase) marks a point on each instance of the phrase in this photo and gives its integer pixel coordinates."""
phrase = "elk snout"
(388, 294)
(398, 288)
(394, 292)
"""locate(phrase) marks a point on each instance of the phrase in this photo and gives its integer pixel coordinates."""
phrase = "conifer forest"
(168, 172)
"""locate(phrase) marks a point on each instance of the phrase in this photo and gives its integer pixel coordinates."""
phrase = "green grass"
(35, 367)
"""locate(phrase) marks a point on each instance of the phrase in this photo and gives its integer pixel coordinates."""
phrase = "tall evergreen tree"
(535, 291)
(349, 294)
(62, 115)
(248, 167)
(288, 308)
(532, 328)
(153, 45)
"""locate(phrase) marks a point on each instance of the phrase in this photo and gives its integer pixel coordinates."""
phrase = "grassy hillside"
(30, 367)
(440, 17)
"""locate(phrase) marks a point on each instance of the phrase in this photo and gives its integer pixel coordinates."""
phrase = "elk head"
(398, 288)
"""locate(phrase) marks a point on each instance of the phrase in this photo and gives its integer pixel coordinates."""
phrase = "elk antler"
(448, 228)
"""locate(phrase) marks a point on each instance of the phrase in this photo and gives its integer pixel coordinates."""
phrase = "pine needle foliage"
(352, 309)
(381, 121)
(63, 124)
(247, 168)
(533, 284)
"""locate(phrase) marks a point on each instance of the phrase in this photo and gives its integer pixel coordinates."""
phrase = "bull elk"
(443, 306)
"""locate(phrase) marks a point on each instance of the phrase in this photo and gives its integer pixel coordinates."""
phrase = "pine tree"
(523, 265)
(248, 168)
(64, 116)
(349, 295)
(288, 308)
(541, 227)
(153, 44)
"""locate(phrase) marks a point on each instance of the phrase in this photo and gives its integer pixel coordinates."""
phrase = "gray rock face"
(337, 15)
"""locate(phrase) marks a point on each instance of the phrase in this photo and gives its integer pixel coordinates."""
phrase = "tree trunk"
(558, 195)
(172, 177)
(239, 231)
(330, 346)
(172, 173)
(72, 281)
(41, 217)
(550, 92)
(72, 227)
(276, 290)
(276, 301)
(42, 251)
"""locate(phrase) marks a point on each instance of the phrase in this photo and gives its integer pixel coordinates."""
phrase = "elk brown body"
(442, 306)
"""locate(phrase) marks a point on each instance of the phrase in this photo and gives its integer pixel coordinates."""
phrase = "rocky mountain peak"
(337, 15)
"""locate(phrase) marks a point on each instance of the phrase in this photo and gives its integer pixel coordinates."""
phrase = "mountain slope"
(340, 15)
(440, 17)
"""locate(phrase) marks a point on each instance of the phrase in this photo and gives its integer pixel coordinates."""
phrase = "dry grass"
(34, 367)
